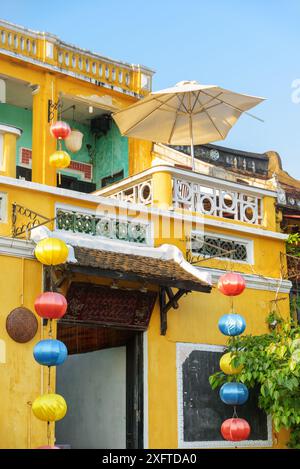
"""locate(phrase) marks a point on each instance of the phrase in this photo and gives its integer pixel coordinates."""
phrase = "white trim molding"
(183, 350)
(16, 247)
(255, 282)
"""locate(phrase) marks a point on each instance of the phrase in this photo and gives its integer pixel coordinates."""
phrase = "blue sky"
(246, 46)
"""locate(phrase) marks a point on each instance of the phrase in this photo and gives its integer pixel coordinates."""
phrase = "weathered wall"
(111, 155)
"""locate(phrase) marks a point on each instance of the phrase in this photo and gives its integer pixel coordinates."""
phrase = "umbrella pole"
(192, 143)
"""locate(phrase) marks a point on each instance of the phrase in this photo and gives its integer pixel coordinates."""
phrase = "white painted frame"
(246, 241)
(1, 151)
(149, 224)
(183, 350)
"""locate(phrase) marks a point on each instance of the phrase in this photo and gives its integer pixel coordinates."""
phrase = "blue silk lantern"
(50, 352)
(234, 393)
(232, 324)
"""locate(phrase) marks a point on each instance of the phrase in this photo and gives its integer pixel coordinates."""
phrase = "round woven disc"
(21, 325)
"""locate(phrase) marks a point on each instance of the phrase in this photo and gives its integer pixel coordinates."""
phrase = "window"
(3, 207)
(145, 82)
(49, 50)
(108, 180)
(221, 247)
(200, 409)
(1, 152)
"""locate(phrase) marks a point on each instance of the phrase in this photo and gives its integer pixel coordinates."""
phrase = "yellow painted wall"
(196, 321)
(21, 378)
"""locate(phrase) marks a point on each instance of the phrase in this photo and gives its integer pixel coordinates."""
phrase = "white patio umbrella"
(188, 113)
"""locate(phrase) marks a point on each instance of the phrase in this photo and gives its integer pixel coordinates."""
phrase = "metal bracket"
(52, 107)
(164, 294)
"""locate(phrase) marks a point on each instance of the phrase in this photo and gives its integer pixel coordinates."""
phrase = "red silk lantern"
(51, 305)
(231, 284)
(60, 130)
(235, 429)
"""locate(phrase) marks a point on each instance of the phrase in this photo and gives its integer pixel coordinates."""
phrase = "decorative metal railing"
(216, 201)
(102, 226)
(81, 63)
(217, 246)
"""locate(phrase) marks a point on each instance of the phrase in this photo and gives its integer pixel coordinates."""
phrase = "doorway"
(102, 383)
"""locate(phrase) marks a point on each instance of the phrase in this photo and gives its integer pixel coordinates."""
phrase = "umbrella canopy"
(188, 113)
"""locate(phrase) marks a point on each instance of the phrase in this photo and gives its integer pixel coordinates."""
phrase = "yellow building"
(142, 320)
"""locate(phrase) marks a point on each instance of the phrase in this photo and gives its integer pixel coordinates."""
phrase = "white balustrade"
(137, 194)
(217, 201)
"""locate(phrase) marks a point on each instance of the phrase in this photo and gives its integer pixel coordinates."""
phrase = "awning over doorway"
(151, 270)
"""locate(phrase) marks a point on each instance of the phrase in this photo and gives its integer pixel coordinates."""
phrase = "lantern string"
(22, 282)
(48, 433)
(50, 329)
(49, 379)
(232, 308)
(235, 415)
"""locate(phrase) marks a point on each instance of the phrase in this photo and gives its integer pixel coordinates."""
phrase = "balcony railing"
(100, 226)
(216, 201)
(197, 193)
(81, 63)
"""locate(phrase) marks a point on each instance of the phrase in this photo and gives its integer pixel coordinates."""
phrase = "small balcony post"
(8, 144)
(162, 190)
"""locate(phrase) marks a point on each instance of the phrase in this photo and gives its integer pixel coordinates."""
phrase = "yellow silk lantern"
(60, 159)
(226, 366)
(51, 251)
(49, 407)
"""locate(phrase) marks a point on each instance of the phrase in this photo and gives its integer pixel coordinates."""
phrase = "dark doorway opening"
(102, 382)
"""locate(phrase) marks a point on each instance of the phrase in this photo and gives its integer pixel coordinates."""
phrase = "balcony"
(176, 189)
(47, 49)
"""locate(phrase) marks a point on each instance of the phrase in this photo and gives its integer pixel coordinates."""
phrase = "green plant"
(293, 244)
(271, 361)
(274, 319)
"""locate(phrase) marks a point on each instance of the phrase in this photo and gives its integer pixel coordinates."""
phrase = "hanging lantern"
(60, 159)
(49, 407)
(235, 429)
(231, 284)
(234, 393)
(232, 324)
(60, 130)
(51, 305)
(226, 367)
(74, 141)
(50, 352)
(51, 251)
